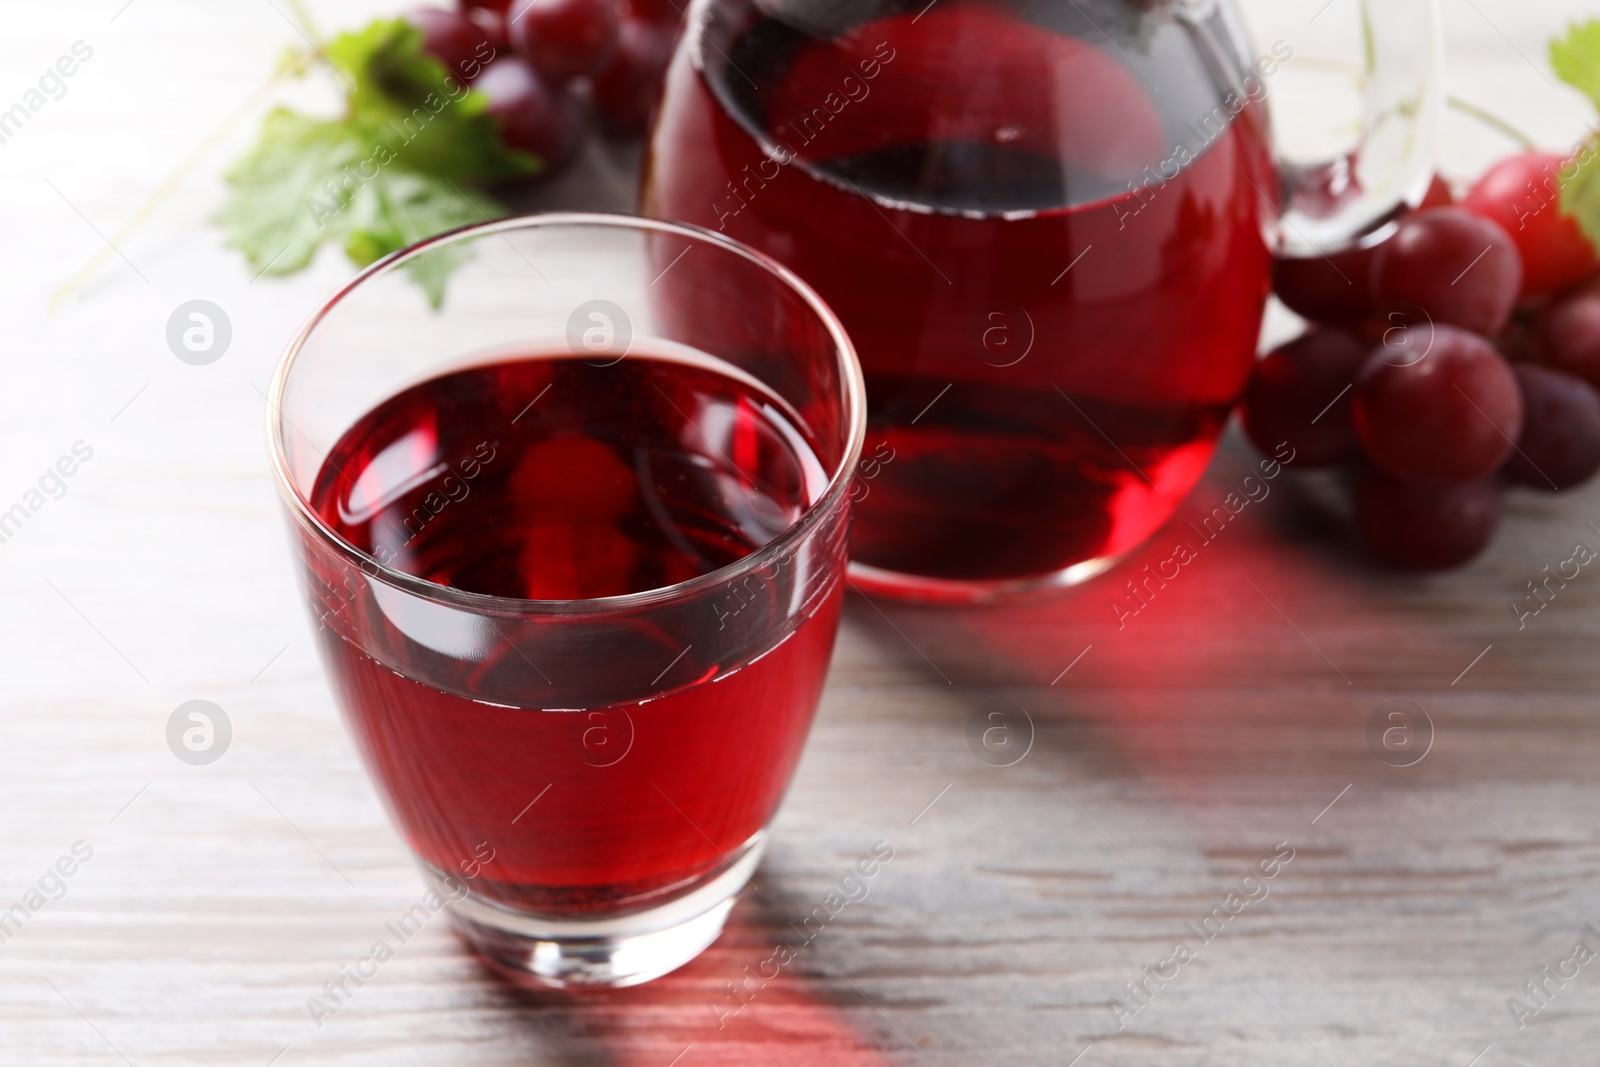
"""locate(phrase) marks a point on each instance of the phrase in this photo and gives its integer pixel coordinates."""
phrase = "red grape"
(1424, 527)
(1299, 394)
(1461, 268)
(454, 40)
(627, 89)
(1335, 289)
(1449, 414)
(534, 116)
(1567, 332)
(1522, 196)
(498, 6)
(1560, 444)
(565, 39)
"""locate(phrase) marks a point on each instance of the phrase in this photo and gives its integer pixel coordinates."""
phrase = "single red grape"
(1447, 414)
(453, 39)
(534, 116)
(627, 89)
(1568, 334)
(1560, 443)
(1460, 267)
(1521, 194)
(565, 39)
(1300, 394)
(1424, 527)
(1334, 289)
(497, 6)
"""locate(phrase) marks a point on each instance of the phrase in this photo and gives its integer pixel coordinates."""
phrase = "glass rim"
(851, 383)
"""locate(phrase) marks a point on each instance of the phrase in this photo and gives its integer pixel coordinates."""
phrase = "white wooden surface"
(1174, 755)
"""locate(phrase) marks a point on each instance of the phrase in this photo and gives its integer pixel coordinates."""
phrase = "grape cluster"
(554, 62)
(1459, 354)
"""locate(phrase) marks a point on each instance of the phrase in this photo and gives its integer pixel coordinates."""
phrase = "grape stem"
(166, 189)
(308, 23)
(1492, 121)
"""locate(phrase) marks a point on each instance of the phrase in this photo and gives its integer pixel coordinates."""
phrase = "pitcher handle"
(1356, 198)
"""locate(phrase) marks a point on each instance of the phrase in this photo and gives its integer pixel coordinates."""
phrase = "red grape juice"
(1046, 235)
(511, 753)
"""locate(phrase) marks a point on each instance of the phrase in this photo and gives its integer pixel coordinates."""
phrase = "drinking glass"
(586, 783)
(1049, 226)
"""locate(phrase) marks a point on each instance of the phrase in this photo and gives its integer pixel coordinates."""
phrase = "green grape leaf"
(273, 213)
(402, 164)
(1576, 61)
(1580, 197)
(430, 119)
(306, 183)
(409, 207)
(1576, 58)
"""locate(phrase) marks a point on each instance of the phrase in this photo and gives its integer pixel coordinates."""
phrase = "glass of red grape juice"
(1049, 226)
(575, 543)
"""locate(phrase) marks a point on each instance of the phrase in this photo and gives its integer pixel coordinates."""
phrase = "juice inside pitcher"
(1045, 226)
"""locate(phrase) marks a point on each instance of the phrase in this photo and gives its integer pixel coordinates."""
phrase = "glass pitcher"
(1049, 227)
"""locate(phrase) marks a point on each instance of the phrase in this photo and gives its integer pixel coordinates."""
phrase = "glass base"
(919, 589)
(609, 952)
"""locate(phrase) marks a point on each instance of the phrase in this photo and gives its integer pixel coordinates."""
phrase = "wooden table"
(1225, 725)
